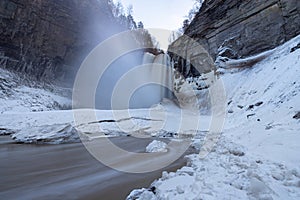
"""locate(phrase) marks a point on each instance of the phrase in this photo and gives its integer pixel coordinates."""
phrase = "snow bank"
(18, 96)
(262, 102)
(227, 173)
(5, 131)
(152, 122)
(192, 93)
(49, 134)
(257, 156)
(156, 146)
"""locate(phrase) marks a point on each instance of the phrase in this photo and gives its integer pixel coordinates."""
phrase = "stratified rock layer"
(238, 29)
(48, 39)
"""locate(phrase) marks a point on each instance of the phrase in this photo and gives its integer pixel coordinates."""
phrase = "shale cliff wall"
(237, 29)
(48, 39)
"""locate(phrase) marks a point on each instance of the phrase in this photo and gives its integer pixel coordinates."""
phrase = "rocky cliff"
(47, 39)
(236, 29)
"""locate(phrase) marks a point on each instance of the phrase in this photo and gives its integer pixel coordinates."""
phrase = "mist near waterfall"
(111, 76)
(144, 78)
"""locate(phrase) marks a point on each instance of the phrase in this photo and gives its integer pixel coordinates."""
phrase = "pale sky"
(166, 14)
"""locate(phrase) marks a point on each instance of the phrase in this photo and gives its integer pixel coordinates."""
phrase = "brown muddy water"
(68, 171)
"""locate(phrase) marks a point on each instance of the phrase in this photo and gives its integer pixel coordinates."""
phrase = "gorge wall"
(48, 39)
(238, 29)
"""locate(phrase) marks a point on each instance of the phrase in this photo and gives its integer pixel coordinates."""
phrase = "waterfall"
(166, 76)
(145, 72)
(158, 69)
(148, 58)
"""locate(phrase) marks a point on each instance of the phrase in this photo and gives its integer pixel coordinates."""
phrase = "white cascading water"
(158, 73)
(148, 58)
(166, 75)
(152, 78)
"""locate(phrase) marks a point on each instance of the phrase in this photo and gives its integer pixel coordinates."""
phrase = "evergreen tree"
(131, 24)
(141, 25)
(186, 23)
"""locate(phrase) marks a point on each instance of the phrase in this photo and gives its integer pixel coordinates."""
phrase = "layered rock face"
(48, 39)
(238, 29)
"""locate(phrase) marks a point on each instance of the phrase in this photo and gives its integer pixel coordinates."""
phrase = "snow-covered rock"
(156, 146)
(192, 92)
(49, 134)
(5, 131)
(257, 156)
(223, 175)
(142, 194)
(107, 123)
(18, 95)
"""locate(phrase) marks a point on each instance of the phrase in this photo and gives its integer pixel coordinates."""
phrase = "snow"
(227, 175)
(154, 122)
(21, 95)
(48, 134)
(141, 194)
(5, 131)
(156, 146)
(257, 156)
(187, 89)
(270, 128)
(227, 63)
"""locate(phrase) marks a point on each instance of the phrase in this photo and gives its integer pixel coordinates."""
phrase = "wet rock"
(268, 127)
(295, 48)
(5, 131)
(237, 152)
(259, 103)
(153, 189)
(297, 116)
(250, 107)
(250, 115)
(240, 107)
(259, 162)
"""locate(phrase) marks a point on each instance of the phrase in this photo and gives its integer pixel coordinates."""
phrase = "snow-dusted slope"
(257, 156)
(262, 102)
(19, 95)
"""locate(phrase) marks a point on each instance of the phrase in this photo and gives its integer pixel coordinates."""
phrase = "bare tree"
(192, 13)
(130, 9)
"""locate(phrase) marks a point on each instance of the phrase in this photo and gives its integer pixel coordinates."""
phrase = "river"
(68, 171)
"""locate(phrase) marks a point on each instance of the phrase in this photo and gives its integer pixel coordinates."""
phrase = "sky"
(160, 14)
(166, 14)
